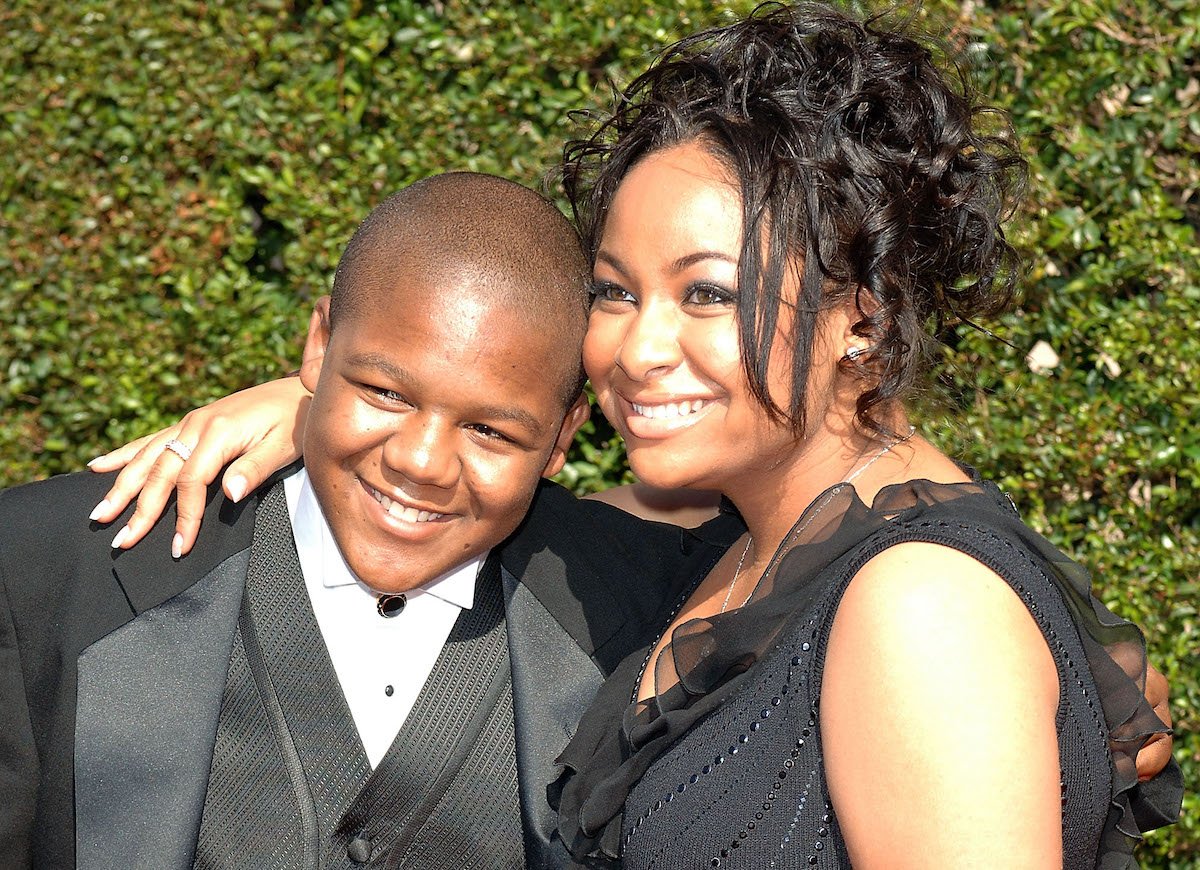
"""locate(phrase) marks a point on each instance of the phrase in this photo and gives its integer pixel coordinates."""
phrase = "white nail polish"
(121, 536)
(177, 546)
(236, 486)
(99, 509)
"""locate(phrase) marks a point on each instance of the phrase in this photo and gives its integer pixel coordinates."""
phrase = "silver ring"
(179, 449)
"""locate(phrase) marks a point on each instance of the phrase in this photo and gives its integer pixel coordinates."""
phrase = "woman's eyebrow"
(612, 260)
(678, 265)
(695, 257)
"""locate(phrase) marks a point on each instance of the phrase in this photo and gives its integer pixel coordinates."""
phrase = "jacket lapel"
(553, 681)
(148, 701)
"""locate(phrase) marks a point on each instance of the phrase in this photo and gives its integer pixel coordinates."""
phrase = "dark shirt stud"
(391, 605)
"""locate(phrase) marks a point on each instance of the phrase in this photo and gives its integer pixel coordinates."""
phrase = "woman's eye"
(605, 291)
(710, 294)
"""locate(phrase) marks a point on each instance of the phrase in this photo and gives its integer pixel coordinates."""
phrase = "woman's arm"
(261, 429)
(938, 708)
(681, 507)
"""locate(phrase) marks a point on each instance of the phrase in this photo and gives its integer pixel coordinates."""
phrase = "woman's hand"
(1155, 754)
(261, 429)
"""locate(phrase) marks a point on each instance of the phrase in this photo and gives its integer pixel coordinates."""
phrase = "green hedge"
(177, 179)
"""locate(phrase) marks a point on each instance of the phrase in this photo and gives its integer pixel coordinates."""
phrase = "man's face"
(434, 414)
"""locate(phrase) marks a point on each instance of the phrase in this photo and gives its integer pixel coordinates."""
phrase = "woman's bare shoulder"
(938, 700)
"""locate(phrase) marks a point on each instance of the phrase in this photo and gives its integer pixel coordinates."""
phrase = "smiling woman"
(782, 213)
(663, 348)
(665, 292)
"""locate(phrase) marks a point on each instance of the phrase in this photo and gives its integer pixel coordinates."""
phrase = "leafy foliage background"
(177, 180)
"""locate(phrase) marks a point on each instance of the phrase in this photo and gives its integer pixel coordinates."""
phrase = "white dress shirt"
(382, 663)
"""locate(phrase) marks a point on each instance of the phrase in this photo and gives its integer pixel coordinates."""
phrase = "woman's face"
(662, 342)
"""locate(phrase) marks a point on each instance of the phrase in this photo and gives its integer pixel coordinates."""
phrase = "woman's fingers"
(122, 456)
(210, 442)
(137, 467)
(164, 476)
(1155, 754)
(249, 472)
(221, 441)
(261, 428)
(153, 475)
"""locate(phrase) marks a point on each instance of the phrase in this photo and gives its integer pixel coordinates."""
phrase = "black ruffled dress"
(724, 769)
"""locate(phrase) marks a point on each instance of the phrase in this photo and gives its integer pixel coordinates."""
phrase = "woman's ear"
(577, 415)
(315, 344)
(855, 308)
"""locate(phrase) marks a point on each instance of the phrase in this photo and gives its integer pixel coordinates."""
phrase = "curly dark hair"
(860, 162)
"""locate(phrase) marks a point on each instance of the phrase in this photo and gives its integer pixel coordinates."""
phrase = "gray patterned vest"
(290, 784)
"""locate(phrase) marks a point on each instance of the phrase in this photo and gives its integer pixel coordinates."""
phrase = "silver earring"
(853, 352)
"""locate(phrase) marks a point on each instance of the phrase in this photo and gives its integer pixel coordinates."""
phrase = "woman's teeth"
(671, 409)
(400, 512)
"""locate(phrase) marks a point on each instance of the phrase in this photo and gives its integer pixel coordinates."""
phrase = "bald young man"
(342, 673)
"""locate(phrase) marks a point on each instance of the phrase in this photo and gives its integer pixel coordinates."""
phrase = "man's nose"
(424, 449)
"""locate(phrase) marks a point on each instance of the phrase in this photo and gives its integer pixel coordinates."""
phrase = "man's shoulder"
(603, 574)
(55, 494)
(586, 532)
(52, 514)
(45, 532)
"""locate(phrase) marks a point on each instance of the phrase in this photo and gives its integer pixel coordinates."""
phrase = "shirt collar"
(318, 550)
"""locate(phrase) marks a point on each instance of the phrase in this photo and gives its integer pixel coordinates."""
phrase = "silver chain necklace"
(887, 448)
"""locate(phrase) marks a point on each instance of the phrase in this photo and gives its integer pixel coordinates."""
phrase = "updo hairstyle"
(860, 163)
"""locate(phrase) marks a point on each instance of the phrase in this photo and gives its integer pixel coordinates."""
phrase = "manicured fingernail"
(177, 546)
(120, 538)
(236, 487)
(94, 460)
(99, 509)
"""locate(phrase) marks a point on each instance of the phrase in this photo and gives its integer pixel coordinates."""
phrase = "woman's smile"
(664, 417)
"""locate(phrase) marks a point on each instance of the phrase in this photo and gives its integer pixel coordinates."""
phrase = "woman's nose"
(651, 345)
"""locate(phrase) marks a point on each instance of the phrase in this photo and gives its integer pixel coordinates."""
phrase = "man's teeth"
(671, 409)
(400, 512)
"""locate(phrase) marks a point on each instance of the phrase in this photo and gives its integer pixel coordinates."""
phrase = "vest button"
(359, 849)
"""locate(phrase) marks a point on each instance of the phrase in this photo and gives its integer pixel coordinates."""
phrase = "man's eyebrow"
(400, 375)
(381, 364)
(519, 416)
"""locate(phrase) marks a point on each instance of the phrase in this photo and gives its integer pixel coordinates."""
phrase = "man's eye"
(488, 432)
(390, 396)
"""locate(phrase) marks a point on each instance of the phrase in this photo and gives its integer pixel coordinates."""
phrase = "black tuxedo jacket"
(112, 664)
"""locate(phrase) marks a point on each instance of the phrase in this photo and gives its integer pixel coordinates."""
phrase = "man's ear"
(576, 417)
(315, 344)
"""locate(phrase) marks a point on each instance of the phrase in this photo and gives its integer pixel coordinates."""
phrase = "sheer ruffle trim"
(707, 660)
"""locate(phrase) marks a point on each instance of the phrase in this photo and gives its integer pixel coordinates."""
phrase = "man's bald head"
(472, 233)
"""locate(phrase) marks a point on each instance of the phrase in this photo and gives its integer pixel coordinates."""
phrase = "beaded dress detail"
(724, 767)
